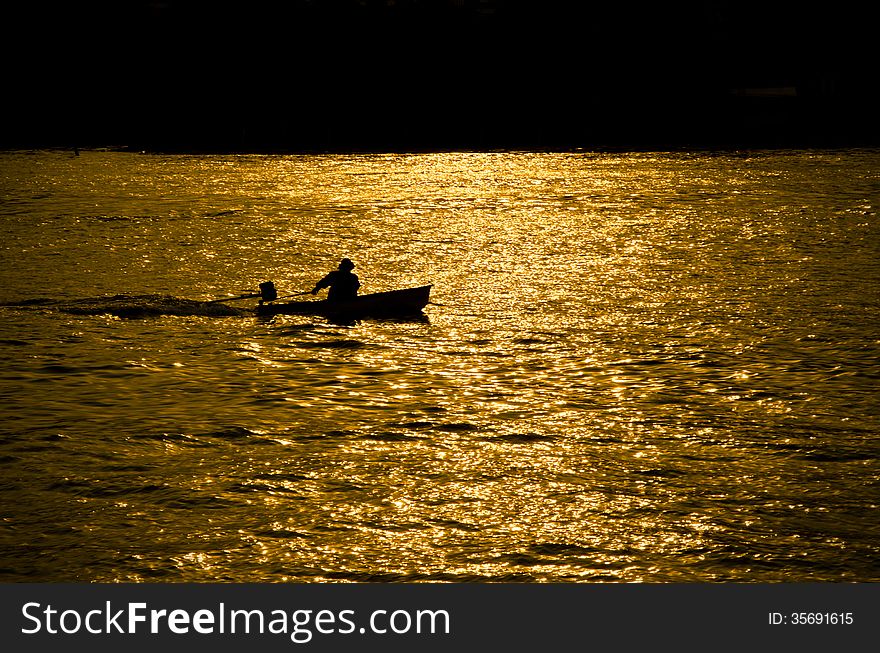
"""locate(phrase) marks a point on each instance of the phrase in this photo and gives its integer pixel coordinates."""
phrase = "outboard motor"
(268, 292)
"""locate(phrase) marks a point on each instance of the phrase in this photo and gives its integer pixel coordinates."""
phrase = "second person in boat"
(343, 283)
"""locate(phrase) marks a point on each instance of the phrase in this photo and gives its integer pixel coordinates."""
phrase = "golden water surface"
(635, 367)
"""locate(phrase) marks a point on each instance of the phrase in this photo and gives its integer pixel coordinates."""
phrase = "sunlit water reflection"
(637, 367)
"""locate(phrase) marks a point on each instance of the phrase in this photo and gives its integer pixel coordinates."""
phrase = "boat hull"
(393, 303)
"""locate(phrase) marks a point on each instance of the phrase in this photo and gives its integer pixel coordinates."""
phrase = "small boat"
(393, 303)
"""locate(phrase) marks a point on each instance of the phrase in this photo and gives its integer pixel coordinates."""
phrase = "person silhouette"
(342, 282)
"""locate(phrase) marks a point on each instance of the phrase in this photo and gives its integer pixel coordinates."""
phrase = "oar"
(267, 294)
(297, 294)
(233, 299)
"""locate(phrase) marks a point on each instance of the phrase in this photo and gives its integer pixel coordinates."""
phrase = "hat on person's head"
(346, 264)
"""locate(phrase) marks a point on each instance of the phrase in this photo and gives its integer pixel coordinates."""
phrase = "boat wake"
(132, 306)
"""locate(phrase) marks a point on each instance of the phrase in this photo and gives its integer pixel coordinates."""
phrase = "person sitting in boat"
(342, 282)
